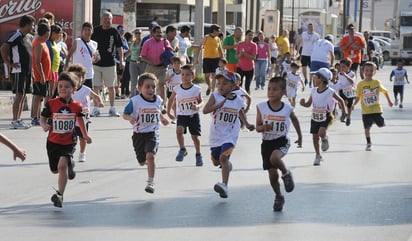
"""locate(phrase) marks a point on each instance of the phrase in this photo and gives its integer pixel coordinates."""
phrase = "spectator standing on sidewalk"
(137, 67)
(16, 53)
(230, 45)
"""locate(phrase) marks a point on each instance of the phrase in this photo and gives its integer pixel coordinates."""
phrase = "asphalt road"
(354, 194)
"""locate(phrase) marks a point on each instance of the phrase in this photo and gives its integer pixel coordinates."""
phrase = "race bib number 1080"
(63, 122)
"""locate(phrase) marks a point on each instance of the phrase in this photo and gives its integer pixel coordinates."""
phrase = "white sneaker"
(149, 187)
(17, 124)
(113, 112)
(317, 161)
(82, 157)
(95, 112)
(368, 147)
(221, 188)
(325, 144)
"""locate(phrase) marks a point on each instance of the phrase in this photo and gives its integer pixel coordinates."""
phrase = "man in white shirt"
(307, 41)
(322, 54)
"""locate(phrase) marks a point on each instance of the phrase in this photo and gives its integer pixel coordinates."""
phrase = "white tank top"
(146, 114)
(174, 81)
(82, 56)
(186, 98)
(278, 119)
(322, 104)
(348, 89)
(225, 124)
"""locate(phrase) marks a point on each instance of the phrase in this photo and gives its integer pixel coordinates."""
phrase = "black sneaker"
(72, 173)
(278, 205)
(288, 181)
(57, 200)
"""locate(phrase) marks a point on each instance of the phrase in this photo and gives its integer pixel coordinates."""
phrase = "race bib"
(228, 116)
(319, 115)
(149, 117)
(277, 123)
(349, 92)
(171, 86)
(292, 84)
(63, 122)
(187, 104)
(370, 98)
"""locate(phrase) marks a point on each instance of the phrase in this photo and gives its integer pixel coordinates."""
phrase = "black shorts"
(144, 143)
(346, 99)
(272, 60)
(398, 89)
(191, 121)
(42, 90)
(210, 65)
(88, 83)
(21, 83)
(55, 151)
(315, 126)
(369, 119)
(305, 60)
(268, 146)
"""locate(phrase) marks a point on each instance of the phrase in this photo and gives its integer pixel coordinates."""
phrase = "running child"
(226, 109)
(144, 113)
(285, 66)
(347, 87)
(321, 100)
(188, 99)
(242, 93)
(398, 76)
(173, 79)
(221, 66)
(293, 80)
(82, 95)
(58, 118)
(273, 121)
(367, 92)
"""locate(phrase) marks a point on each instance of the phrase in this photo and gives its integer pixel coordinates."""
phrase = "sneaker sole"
(149, 190)
(56, 201)
(221, 191)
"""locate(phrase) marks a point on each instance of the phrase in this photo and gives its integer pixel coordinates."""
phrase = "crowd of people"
(107, 60)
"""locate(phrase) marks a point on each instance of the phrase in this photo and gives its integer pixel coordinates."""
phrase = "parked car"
(386, 48)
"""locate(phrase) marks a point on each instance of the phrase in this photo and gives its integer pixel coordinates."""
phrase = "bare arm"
(210, 105)
(307, 103)
(170, 104)
(38, 65)
(17, 151)
(97, 98)
(243, 118)
(70, 54)
(296, 125)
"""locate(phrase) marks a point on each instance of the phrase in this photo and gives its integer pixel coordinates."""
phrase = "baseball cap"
(329, 37)
(324, 73)
(229, 75)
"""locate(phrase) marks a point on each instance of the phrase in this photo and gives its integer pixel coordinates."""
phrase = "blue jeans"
(260, 72)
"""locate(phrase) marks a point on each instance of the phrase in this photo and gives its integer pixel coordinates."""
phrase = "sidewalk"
(6, 102)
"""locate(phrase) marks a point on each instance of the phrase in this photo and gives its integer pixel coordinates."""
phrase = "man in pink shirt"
(150, 53)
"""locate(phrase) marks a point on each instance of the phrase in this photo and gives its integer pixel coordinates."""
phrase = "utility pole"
(279, 5)
(221, 15)
(360, 16)
(345, 20)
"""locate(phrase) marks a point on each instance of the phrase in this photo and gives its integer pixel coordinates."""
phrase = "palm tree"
(129, 17)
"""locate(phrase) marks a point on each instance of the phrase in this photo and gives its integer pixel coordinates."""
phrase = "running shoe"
(181, 154)
(325, 144)
(221, 188)
(82, 157)
(57, 200)
(95, 112)
(317, 161)
(113, 112)
(72, 173)
(347, 122)
(279, 202)
(19, 125)
(35, 121)
(400, 106)
(288, 181)
(199, 160)
(368, 147)
(149, 187)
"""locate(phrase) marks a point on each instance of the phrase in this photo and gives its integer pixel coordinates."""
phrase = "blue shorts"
(225, 149)
(316, 65)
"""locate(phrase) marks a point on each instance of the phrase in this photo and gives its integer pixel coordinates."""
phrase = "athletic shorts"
(191, 121)
(55, 151)
(272, 60)
(316, 65)
(398, 89)
(225, 149)
(268, 146)
(144, 143)
(305, 60)
(104, 76)
(315, 126)
(41, 89)
(348, 100)
(354, 67)
(369, 119)
(210, 65)
(88, 83)
(21, 83)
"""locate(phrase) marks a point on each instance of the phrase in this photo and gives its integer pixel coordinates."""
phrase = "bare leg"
(63, 175)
